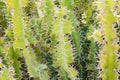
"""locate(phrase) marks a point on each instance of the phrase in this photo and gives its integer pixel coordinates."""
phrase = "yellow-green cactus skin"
(20, 41)
(62, 27)
(108, 57)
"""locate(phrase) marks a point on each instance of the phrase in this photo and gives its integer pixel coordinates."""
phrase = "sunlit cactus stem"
(108, 57)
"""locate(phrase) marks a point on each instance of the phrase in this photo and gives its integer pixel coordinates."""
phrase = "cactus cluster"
(59, 39)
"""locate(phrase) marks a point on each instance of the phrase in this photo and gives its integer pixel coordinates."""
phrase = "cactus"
(63, 55)
(85, 49)
(21, 43)
(109, 49)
